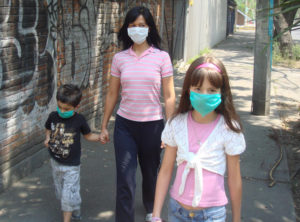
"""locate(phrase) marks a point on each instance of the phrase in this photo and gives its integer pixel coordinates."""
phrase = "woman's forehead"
(139, 19)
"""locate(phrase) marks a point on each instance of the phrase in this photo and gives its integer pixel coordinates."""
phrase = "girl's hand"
(157, 219)
(163, 145)
(104, 136)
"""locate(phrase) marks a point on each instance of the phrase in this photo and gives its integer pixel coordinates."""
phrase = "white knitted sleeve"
(168, 136)
(234, 143)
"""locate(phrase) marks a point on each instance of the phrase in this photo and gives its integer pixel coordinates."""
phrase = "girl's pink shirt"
(213, 193)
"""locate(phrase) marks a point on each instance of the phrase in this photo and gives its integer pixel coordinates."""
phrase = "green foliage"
(202, 53)
(251, 7)
(296, 52)
(282, 60)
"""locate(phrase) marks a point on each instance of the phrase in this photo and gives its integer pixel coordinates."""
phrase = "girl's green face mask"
(205, 103)
(66, 114)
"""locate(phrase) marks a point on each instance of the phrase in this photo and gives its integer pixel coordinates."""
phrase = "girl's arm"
(164, 178)
(235, 186)
(169, 95)
(110, 102)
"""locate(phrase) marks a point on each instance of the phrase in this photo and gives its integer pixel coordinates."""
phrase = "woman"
(139, 70)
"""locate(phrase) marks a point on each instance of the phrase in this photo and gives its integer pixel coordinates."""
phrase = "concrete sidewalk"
(32, 199)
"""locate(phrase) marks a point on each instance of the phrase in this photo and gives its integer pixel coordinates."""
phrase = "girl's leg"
(149, 159)
(126, 164)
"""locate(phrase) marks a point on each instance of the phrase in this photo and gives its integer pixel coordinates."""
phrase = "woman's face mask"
(205, 103)
(138, 34)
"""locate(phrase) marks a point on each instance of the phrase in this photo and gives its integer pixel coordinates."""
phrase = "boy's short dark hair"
(69, 94)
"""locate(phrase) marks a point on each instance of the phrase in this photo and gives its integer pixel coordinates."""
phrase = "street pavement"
(32, 199)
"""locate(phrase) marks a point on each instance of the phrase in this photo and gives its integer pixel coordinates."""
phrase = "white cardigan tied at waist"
(192, 163)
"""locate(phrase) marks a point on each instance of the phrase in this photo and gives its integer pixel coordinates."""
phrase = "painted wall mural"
(43, 44)
(26, 64)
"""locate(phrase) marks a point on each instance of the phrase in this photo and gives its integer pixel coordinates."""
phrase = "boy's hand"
(46, 142)
(104, 136)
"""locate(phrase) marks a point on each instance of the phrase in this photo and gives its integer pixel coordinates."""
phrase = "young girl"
(203, 136)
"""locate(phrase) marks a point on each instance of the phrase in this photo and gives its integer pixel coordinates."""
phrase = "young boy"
(63, 129)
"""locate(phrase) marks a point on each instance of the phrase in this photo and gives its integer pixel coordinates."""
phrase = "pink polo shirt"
(213, 193)
(141, 82)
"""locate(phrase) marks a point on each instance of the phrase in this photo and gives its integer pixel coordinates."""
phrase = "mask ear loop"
(209, 65)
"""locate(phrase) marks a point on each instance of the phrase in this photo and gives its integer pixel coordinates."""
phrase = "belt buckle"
(191, 214)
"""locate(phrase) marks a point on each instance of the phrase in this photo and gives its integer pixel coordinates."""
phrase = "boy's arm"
(46, 142)
(92, 137)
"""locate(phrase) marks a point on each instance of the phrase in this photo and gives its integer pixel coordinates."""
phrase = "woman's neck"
(140, 48)
(206, 119)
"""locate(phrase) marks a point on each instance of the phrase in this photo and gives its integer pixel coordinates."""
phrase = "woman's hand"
(104, 136)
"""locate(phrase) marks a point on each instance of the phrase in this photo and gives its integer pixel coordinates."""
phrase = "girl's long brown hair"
(195, 77)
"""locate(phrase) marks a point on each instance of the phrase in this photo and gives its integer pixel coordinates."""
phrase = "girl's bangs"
(214, 77)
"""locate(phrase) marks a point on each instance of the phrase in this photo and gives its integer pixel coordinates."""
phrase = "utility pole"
(262, 58)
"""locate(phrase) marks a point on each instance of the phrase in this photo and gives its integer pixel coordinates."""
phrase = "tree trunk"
(282, 22)
(285, 40)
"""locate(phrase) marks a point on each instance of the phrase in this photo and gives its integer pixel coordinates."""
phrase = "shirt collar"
(151, 49)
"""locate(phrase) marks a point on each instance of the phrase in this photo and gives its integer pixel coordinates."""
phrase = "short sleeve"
(234, 143)
(84, 128)
(166, 67)
(115, 70)
(48, 122)
(167, 135)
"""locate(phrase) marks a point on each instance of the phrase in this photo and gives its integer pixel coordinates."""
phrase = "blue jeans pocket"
(218, 214)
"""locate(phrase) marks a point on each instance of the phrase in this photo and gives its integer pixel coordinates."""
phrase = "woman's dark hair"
(153, 36)
(195, 77)
(69, 94)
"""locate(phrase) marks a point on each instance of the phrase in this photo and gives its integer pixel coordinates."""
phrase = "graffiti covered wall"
(43, 44)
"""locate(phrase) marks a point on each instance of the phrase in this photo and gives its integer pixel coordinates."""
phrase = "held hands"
(104, 136)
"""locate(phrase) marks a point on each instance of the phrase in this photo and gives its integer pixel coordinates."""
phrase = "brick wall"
(43, 44)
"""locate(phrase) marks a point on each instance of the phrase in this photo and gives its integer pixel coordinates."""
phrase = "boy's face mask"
(205, 103)
(138, 34)
(66, 114)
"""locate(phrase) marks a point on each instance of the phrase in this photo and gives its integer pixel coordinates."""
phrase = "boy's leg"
(67, 216)
(71, 198)
(126, 164)
(57, 175)
(149, 159)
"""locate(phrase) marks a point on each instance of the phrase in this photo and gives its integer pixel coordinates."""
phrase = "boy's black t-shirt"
(64, 144)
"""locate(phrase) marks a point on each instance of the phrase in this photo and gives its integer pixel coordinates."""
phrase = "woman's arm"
(110, 102)
(164, 178)
(235, 186)
(169, 95)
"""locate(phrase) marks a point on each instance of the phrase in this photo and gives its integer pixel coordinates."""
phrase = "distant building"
(242, 18)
